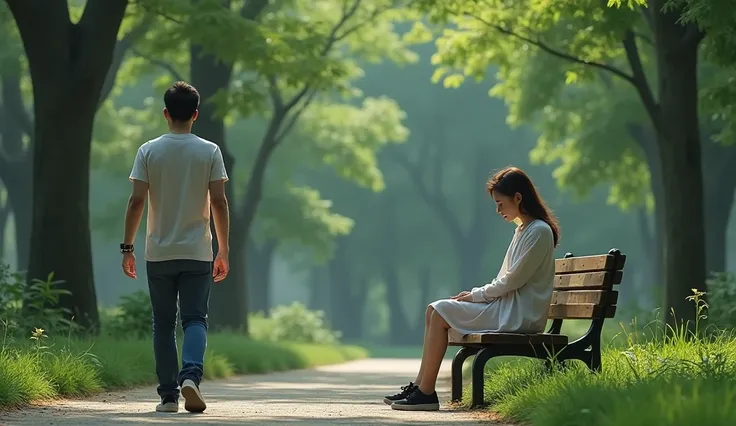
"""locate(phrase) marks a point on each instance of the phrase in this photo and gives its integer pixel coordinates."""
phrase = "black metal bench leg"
(479, 363)
(595, 359)
(457, 371)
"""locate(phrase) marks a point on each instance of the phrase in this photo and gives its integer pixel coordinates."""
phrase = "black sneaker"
(405, 391)
(418, 401)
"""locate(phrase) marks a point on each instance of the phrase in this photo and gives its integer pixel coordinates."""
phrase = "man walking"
(183, 176)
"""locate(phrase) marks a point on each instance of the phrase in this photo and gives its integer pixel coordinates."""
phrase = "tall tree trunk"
(16, 174)
(16, 165)
(424, 282)
(720, 188)
(475, 241)
(345, 314)
(678, 139)
(4, 212)
(68, 64)
(397, 334)
(645, 136)
(210, 75)
(20, 198)
(319, 282)
(648, 243)
(260, 260)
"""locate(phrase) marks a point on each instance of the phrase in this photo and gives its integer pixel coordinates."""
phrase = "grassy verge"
(81, 367)
(656, 379)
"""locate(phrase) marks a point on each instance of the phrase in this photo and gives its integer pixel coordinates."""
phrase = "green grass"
(646, 379)
(81, 367)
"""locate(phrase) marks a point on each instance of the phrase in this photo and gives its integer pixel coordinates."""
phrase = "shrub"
(293, 323)
(26, 306)
(132, 317)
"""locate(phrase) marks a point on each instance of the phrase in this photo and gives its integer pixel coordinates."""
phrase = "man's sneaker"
(418, 401)
(168, 405)
(193, 401)
(405, 391)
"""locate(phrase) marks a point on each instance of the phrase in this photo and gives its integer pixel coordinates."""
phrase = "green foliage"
(303, 54)
(24, 306)
(716, 18)
(722, 300)
(294, 323)
(558, 68)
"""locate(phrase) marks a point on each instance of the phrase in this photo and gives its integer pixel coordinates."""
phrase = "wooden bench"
(583, 290)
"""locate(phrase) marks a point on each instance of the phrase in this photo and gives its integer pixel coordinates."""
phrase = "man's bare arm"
(134, 213)
(221, 215)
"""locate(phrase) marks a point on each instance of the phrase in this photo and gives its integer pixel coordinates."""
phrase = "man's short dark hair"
(181, 100)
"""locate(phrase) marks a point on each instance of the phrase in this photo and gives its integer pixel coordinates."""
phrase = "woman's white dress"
(517, 300)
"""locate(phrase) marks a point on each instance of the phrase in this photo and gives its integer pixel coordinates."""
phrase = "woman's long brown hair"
(511, 180)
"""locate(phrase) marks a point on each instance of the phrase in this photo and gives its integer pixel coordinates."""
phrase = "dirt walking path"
(345, 394)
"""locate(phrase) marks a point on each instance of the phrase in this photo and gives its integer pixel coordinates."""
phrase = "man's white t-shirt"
(178, 168)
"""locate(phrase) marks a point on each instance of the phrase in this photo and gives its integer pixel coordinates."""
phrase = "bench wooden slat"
(602, 280)
(585, 296)
(581, 311)
(585, 264)
(514, 339)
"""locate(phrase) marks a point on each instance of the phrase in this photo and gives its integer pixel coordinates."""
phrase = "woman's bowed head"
(516, 301)
(518, 201)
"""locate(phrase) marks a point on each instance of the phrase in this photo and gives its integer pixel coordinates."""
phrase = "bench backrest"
(584, 286)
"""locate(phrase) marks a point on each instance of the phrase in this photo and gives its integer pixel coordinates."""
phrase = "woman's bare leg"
(427, 318)
(435, 346)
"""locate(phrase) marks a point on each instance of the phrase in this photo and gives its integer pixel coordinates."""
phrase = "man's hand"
(129, 265)
(221, 267)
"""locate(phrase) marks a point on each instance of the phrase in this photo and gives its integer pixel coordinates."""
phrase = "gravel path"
(345, 394)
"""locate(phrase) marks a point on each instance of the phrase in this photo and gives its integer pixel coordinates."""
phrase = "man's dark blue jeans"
(190, 281)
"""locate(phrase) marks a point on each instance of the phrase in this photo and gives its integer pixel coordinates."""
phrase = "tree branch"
(434, 198)
(277, 101)
(645, 38)
(99, 26)
(118, 55)
(161, 64)
(356, 27)
(331, 40)
(639, 78)
(555, 52)
(295, 116)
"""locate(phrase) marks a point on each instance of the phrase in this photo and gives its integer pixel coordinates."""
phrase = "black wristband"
(126, 248)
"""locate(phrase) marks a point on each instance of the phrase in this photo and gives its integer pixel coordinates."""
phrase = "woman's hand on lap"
(460, 295)
(463, 296)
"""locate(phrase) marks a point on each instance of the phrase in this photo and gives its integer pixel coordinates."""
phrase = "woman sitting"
(516, 301)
